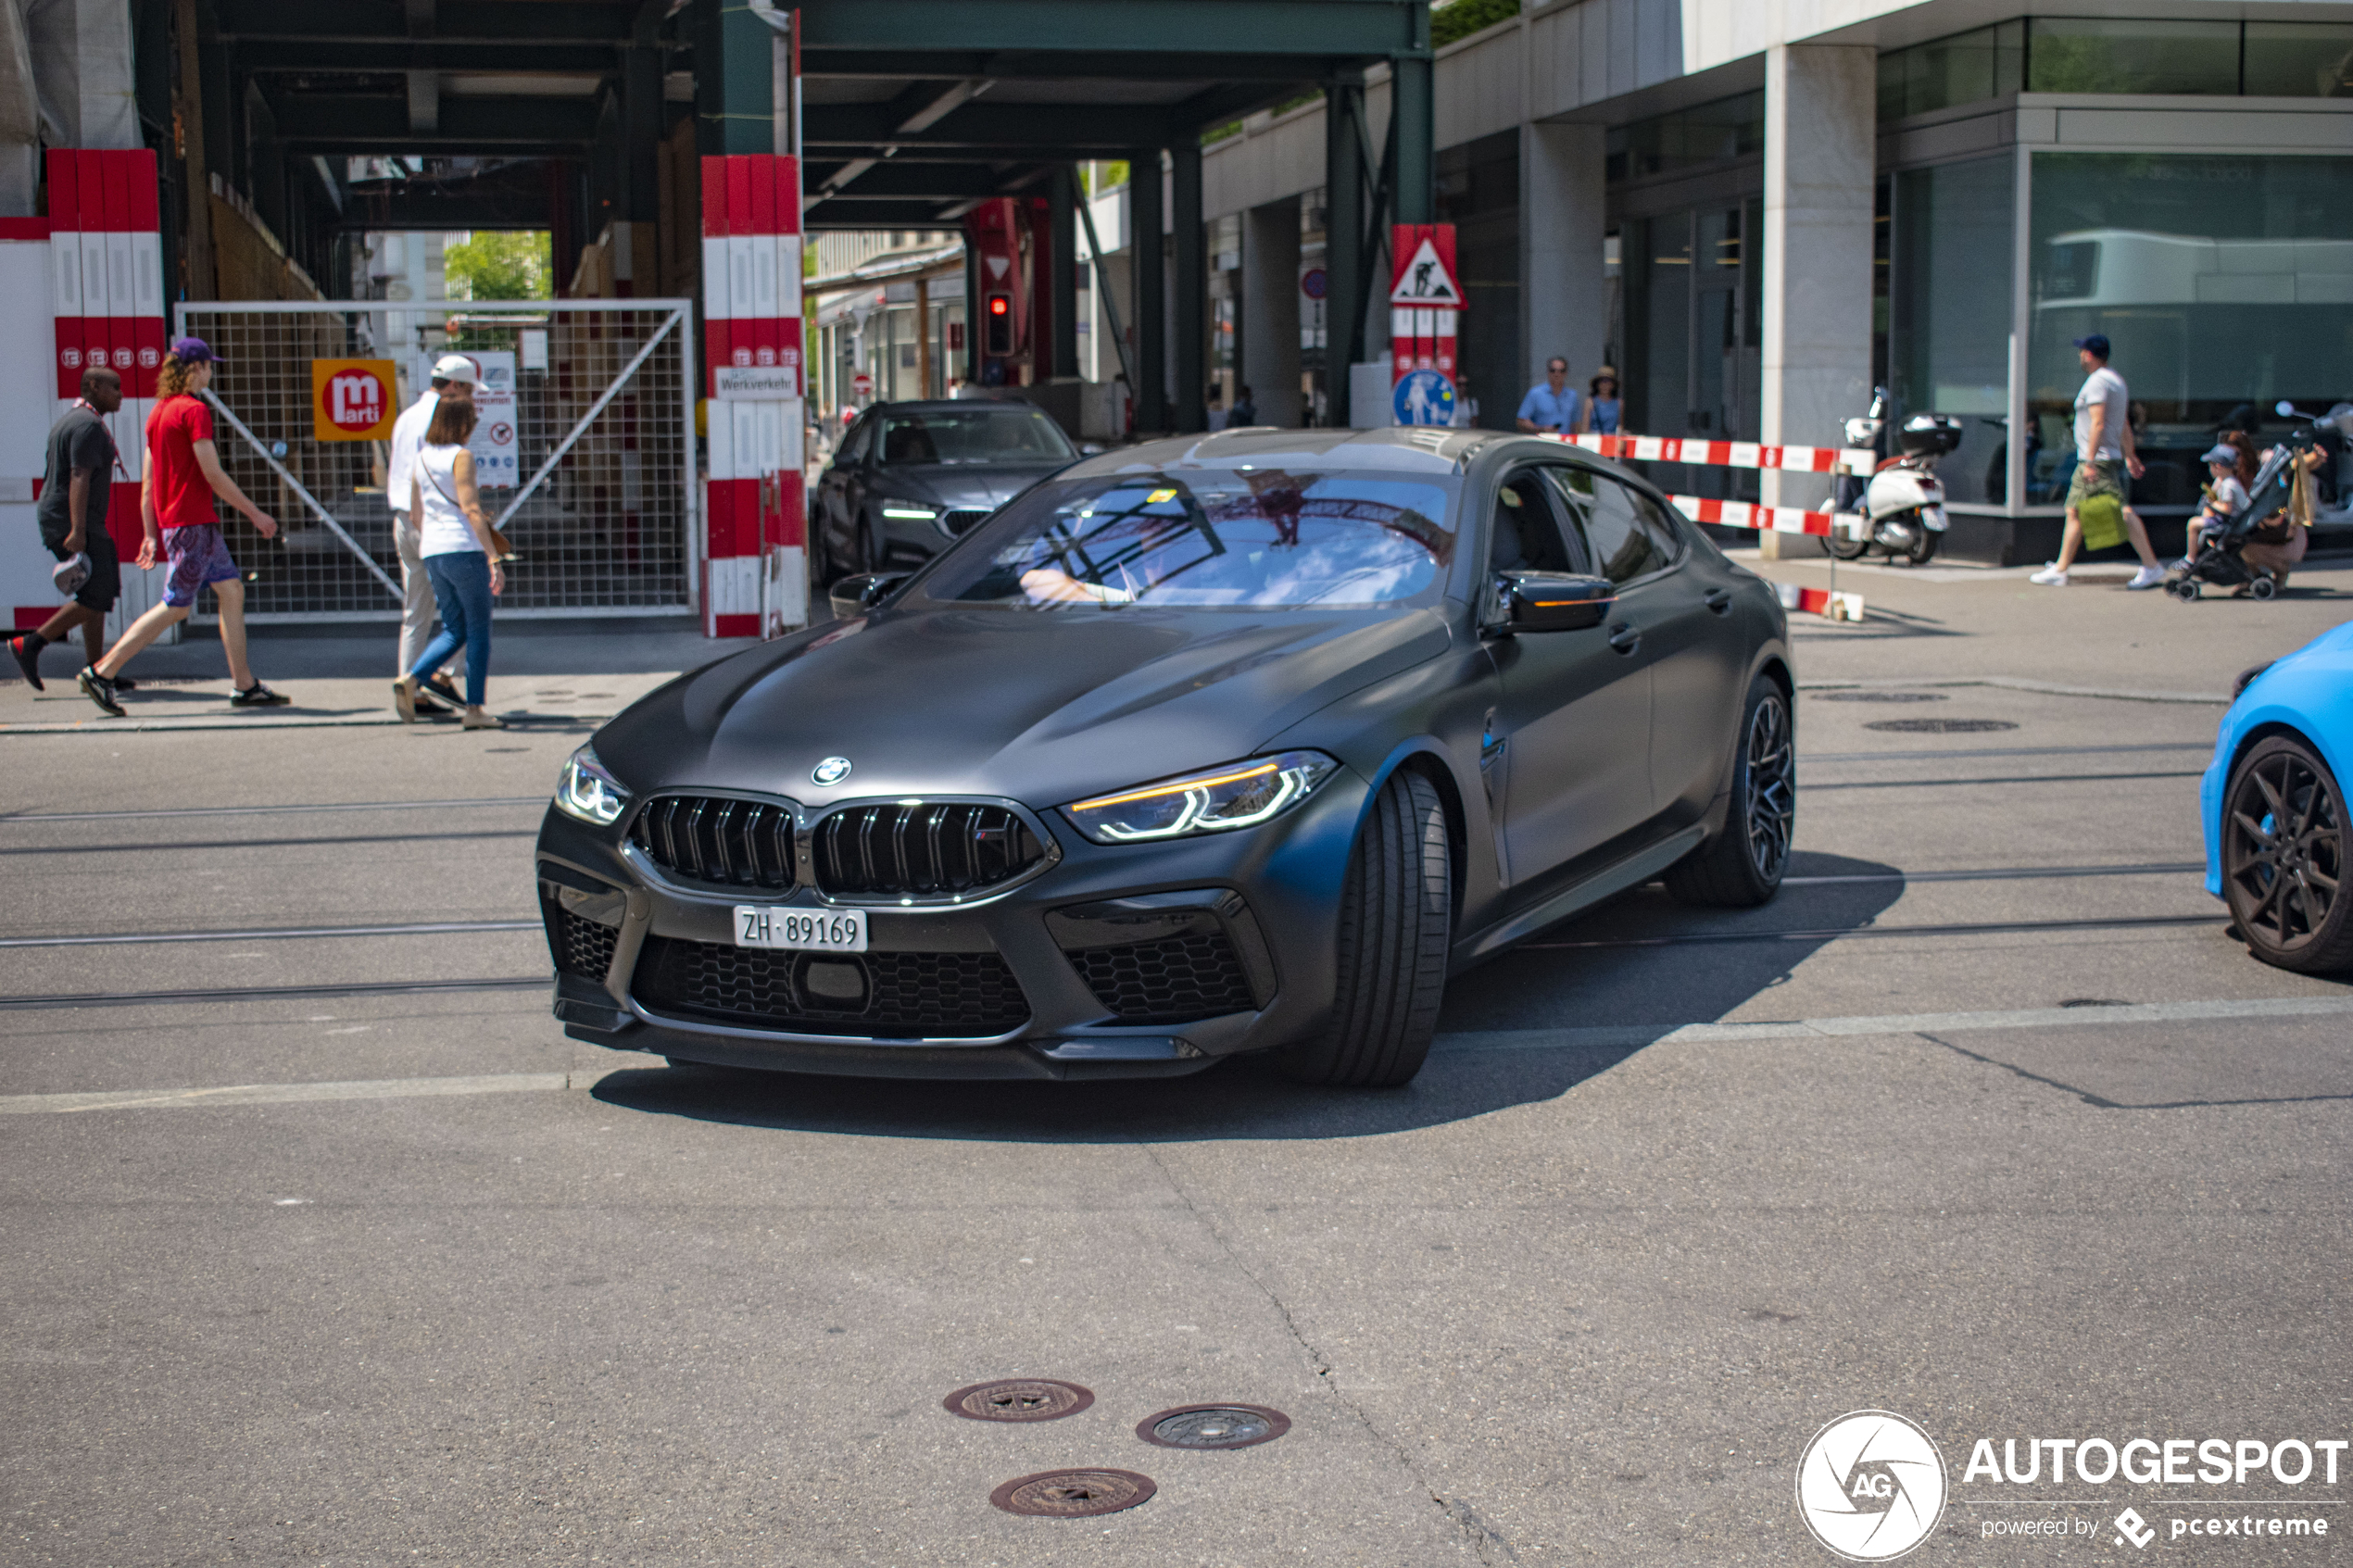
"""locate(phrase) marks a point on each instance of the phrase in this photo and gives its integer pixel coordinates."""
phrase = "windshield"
(980, 434)
(1209, 538)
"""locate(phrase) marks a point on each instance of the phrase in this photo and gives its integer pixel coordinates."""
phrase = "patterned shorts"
(199, 557)
(2103, 478)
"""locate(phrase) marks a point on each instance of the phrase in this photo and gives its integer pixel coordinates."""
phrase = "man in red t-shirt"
(184, 474)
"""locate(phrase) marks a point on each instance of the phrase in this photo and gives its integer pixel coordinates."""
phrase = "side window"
(1623, 530)
(1525, 536)
(853, 445)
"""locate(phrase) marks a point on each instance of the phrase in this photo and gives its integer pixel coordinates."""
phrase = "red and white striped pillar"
(106, 257)
(755, 574)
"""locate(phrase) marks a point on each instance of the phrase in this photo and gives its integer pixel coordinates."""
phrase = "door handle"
(1624, 637)
(1718, 601)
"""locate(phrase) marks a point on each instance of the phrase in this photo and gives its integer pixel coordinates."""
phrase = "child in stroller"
(2234, 516)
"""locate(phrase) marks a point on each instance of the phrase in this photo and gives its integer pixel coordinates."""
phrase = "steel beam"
(1063, 269)
(1190, 242)
(315, 120)
(280, 56)
(1344, 261)
(1317, 28)
(985, 124)
(1151, 292)
(388, 22)
(1032, 65)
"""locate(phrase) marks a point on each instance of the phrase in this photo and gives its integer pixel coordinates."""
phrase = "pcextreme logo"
(1870, 1485)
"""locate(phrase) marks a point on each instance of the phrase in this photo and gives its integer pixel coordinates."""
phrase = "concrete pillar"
(1821, 146)
(1565, 294)
(735, 81)
(1151, 291)
(1270, 312)
(1190, 327)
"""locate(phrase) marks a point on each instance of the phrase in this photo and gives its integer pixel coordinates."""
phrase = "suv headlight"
(586, 791)
(1240, 795)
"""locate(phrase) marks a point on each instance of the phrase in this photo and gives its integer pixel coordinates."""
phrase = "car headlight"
(912, 513)
(586, 791)
(1240, 795)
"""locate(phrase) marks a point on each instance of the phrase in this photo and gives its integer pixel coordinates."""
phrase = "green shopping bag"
(2103, 517)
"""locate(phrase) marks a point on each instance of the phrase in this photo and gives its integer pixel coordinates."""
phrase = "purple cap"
(195, 351)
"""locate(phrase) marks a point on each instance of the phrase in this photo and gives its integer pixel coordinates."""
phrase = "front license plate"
(821, 931)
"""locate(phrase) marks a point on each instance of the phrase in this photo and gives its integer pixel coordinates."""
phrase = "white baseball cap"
(456, 367)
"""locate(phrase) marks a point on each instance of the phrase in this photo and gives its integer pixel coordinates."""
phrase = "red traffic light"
(999, 304)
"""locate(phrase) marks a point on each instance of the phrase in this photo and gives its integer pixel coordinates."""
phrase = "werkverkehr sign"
(755, 382)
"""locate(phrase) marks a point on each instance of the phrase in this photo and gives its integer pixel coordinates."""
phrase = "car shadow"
(1606, 985)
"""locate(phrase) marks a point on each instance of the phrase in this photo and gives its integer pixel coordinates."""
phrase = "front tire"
(1396, 923)
(2283, 859)
(1743, 865)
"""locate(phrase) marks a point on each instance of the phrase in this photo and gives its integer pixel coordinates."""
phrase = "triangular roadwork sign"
(1424, 280)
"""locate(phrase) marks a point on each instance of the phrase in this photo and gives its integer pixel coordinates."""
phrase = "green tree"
(1460, 19)
(499, 264)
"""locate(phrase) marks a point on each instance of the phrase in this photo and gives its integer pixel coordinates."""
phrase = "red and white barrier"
(755, 577)
(1727, 454)
(1828, 602)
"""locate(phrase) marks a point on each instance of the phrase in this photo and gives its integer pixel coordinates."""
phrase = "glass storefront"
(2219, 280)
(1949, 331)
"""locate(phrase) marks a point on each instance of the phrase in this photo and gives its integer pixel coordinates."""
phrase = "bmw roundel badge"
(832, 770)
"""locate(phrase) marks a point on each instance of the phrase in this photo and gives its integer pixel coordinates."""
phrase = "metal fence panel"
(611, 526)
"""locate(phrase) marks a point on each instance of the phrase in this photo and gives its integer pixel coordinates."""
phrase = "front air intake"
(924, 850)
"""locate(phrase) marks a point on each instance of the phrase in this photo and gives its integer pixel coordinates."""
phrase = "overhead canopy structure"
(911, 111)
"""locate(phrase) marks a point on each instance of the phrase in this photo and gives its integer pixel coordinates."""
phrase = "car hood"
(958, 485)
(1042, 707)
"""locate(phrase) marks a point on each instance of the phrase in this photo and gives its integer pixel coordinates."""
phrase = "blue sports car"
(2273, 805)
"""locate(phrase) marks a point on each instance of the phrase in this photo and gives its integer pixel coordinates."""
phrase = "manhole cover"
(1019, 1398)
(1878, 696)
(1939, 726)
(1074, 1494)
(1214, 1426)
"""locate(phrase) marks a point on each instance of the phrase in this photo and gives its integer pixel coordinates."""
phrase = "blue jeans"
(462, 592)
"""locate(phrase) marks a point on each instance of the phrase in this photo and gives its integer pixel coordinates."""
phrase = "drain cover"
(1074, 1494)
(1214, 1426)
(1878, 696)
(1940, 726)
(1019, 1398)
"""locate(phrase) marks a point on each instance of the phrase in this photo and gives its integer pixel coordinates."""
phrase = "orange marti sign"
(352, 399)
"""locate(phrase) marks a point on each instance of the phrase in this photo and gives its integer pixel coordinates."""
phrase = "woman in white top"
(454, 542)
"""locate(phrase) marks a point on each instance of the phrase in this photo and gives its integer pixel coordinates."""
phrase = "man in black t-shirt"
(73, 513)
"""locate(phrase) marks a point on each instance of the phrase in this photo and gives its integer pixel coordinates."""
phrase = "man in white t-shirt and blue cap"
(454, 375)
(2104, 454)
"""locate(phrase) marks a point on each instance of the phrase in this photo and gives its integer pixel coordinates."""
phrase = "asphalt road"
(2016, 1142)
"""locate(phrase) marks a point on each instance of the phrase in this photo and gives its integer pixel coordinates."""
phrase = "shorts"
(105, 584)
(2105, 477)
(200, 557)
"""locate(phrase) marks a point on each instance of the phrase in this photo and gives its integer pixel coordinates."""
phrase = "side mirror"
(1552, 601)
(855, 596)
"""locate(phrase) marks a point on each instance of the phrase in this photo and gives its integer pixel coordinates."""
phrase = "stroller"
(2220, 560)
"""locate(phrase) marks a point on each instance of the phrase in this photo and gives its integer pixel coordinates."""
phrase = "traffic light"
(998, 336)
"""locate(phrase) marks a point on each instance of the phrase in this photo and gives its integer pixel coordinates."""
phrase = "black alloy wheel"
(1743, 865)
(1396, 921)
(2283, 858)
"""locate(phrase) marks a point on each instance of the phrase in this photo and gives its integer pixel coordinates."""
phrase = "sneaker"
(2050, 577)
(482, 722)
(28, 661)
(2147, 577)
(404, 702)
(428, 709)
(100, 690)
(125, 683)
(258, 696)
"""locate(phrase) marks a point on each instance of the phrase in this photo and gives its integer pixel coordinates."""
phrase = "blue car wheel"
(2283, 858)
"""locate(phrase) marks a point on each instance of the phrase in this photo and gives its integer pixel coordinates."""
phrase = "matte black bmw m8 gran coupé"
(1234, 744)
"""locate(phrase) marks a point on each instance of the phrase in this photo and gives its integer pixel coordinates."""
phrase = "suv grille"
(1170, 981)
(942, 995)
(715, 839)
(963, 520)
(904, 852)
(580, 945)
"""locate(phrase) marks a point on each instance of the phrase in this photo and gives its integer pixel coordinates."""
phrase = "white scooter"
(1902, 503)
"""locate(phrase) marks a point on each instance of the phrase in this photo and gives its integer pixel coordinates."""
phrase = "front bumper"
(622, 935)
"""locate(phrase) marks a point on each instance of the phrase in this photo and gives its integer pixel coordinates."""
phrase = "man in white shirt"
(2104, 454)
(453, 376)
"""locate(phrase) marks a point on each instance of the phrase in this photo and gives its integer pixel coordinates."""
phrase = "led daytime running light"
(589, 793)
(1243, 795)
